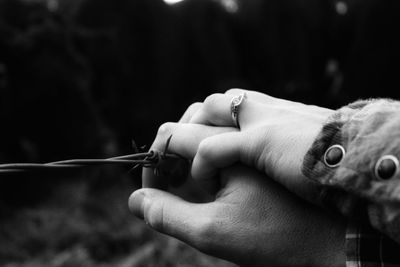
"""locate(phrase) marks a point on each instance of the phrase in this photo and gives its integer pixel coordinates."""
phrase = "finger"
(191, 110)
(270, 100)
(265, 99)
(173, 216)
(218, 152)
(254, 96)
(216, 111)
(185, 141)
(185, 137)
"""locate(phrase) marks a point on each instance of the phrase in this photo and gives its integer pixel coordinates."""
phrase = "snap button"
(386, 167)
(334, 155)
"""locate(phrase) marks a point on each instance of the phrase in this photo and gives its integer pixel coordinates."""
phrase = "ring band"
(235, 104)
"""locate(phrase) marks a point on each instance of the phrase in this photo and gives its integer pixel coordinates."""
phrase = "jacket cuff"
(364, 132)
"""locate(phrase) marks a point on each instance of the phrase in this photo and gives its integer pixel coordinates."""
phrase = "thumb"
(171, 215)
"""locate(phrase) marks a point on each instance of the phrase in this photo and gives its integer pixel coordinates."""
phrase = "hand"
(252, 221)
(185, 140)
(274, 137)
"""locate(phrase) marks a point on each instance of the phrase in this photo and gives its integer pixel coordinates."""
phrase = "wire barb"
(148, 159)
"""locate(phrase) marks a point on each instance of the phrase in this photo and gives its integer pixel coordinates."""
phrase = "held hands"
(250, 219)
(274, 137)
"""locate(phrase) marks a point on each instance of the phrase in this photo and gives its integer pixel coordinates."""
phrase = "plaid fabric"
(367, 248)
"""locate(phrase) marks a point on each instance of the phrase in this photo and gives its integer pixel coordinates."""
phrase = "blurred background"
(82, 78)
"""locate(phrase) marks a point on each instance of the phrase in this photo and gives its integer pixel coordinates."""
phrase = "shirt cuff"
(366, 247)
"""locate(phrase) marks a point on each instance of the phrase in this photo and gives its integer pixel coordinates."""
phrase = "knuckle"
(165, 129)
(194, 107)
(206, 148)
(212, 100)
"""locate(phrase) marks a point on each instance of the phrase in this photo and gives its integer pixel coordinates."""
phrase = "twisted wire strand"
(133, 160)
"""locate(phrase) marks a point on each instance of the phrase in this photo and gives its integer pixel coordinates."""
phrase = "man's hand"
(252, 221)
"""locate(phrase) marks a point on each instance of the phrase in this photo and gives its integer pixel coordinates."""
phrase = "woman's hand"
(253, 221)
(274, 137)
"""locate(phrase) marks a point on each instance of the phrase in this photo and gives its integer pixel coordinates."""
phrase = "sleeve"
(355, 160)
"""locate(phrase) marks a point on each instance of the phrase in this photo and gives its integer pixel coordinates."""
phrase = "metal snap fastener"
(386, 167)
(334, 155)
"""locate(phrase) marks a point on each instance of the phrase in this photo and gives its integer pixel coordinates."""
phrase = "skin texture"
(253, 221)
(242, 215)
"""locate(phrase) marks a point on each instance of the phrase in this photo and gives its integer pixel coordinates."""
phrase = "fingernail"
(136, 201)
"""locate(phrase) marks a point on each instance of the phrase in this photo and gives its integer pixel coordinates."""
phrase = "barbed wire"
(147, 159)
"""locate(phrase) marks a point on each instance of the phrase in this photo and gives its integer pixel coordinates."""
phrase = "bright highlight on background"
(171, 2)
(231, 6)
